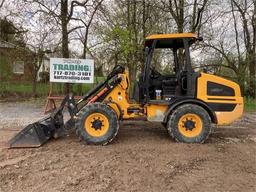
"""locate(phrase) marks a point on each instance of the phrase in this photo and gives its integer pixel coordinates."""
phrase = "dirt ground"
(141, 158)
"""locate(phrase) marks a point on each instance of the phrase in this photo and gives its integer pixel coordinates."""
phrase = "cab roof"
(174, 40)
(172, 36)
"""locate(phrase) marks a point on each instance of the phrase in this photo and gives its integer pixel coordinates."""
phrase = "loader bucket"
(35, 134)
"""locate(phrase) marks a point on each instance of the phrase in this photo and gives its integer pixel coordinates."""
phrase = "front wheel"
(97, 124)
(189, 123)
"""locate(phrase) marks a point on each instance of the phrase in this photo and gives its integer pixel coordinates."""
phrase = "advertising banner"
(67, 70)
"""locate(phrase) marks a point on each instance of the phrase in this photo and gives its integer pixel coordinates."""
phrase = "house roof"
(5, 44)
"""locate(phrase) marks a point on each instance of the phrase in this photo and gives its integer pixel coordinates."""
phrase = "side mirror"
(205, 70)
(200, 38)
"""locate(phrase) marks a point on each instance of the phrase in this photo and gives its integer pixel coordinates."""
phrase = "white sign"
(71, 70)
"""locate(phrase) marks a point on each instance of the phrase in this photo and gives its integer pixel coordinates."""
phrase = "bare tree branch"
(75, 28)
(2, 3)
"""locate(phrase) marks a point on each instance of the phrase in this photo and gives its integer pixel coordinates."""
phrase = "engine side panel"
(223, 96)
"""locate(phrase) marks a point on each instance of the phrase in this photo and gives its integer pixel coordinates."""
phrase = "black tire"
(181, 130)
(97, 108)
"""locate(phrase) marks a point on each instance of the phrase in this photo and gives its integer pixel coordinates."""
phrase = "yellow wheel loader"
(186, 102)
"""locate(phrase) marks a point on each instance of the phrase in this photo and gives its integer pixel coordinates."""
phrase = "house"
(17, 63)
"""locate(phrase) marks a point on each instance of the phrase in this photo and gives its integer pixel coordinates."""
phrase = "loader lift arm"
(53, 126)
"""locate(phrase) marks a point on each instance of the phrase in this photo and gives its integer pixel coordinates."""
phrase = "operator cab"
(178, 80)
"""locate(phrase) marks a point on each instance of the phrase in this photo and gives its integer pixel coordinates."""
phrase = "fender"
(108, 102)
(176, 103)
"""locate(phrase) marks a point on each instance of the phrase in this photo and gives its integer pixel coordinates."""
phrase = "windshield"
(163, 61)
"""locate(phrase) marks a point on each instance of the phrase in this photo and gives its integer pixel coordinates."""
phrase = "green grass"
(249, 104)
(25, 89)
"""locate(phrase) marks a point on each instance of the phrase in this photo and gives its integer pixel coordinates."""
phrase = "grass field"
(249, 104)
(25, 89)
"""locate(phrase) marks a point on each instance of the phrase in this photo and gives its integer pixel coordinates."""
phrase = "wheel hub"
(189, 125)
(97, 124)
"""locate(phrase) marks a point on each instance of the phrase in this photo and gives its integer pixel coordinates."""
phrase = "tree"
(85, 18)
(247, 12)
(121, 30)
(185, 13)
(40, 39)
(2, 3)
(236, 42)
(62, 11)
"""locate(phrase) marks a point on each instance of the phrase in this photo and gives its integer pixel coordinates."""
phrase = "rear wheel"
(189, 123)
(97, 124)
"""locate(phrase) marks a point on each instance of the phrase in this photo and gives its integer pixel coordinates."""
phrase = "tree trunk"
(241, 82)
(64, 27)
(34, 85)
(79, 87)
(129, 59)
(252, 79)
